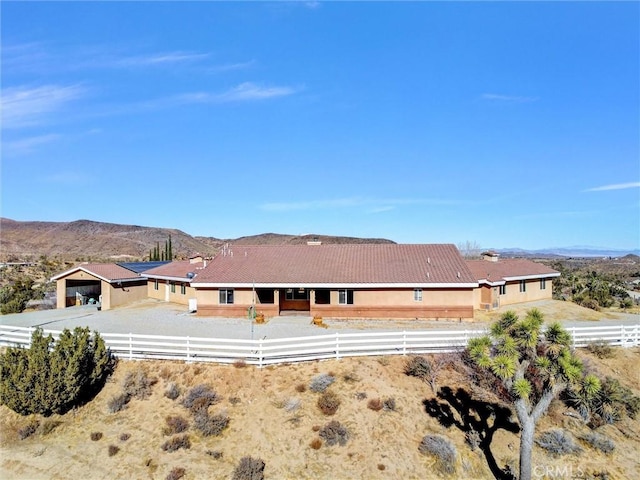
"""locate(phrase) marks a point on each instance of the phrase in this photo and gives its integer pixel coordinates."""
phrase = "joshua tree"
(534, 365)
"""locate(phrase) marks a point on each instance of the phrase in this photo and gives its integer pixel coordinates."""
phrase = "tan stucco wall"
(117, 296)
(397, 303)
(165, 295)
(513, 294)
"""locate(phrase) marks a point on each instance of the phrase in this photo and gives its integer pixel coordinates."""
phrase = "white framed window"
(543, 284)
(173, 287)
(345, 297)
(417, 294)
(503, 289)
(226, 296)
(523, 286)
(155, 284)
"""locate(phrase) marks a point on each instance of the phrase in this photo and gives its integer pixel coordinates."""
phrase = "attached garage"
(108, 285)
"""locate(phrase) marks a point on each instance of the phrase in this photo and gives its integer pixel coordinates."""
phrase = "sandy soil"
(382, 444)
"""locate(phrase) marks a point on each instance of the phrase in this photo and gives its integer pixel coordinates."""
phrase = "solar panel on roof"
(140, 267)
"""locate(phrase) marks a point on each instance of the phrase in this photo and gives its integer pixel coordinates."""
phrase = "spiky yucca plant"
(534, 365)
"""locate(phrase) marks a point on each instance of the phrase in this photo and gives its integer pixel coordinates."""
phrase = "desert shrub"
(217, 454)
(172, 391)
(49, 426)
(601, 349)
(361, 395)
(249, 469)
(53, 377)
(351, 377)
(375, 404)
(177, 442)
(328, 403)
(117, 402)
(210, 425)
(557, 442)
(234, 400)
(590, 303)
(301, 388)
(113, 449)
(137, 384)
(175, 424)
(176, 473)
(334, 433)
(609, 405)
(381, 467)
(442, 449)
(292, 405)
(316, 443)
(124, 437)
(472, 437)
(419, 367)
(95, 436)
(316, 428)
(240, 363)
(28, 429)
(599, 442)
(321, 382)
(389, 404)
(200, 397)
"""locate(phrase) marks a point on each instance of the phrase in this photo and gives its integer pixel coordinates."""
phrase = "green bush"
(53, 377)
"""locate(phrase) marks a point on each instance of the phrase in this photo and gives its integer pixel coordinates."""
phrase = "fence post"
(404, 343)
(260, 358)
(337, 346)
(188, 350)
(130, 346)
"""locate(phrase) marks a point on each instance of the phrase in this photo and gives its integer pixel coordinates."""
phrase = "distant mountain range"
(577, 251)
(89, 240)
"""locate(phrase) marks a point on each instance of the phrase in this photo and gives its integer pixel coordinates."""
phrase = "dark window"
(173, 287)
(297, 294)
(323, 297)
(155, 284)
(345, 297)
(226, 296)
(183, 289)
(543, 284)
(265, 296)
(503, 290)
(523, 286)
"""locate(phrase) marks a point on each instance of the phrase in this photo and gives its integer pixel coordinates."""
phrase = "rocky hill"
(89, 240)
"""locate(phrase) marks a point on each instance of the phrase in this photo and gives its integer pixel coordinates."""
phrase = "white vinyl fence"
(300, 349)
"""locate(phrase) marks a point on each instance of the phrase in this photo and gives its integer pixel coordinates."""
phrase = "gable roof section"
(502, 271)
(177, 271)
(389, 265)
(108, 272)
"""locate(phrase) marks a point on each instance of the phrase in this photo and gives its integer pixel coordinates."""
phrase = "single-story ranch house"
(426, 281)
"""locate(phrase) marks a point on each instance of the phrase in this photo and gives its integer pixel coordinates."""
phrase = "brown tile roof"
(339, 264)
(109, 272)
(178, 270)
(509, 269)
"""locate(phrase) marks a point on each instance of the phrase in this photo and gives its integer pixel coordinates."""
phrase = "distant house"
(509, 281)
(107, 284)
(338, 281)
(172, 282)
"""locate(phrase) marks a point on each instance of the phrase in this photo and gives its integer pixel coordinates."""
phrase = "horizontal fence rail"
(299, 349)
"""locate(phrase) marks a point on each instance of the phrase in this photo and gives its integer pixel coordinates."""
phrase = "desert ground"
(274, 416)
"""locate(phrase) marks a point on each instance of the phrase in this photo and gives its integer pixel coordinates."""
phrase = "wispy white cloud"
(229, 67)
(27, 106)
(27, 145)
(375, 205)
(67, 178)
(241, 93)
(156, 59)
(615, 186)
(494, 97)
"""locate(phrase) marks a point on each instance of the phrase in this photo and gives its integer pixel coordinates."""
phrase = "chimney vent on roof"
(458, 274)
(490, 256)
(190, 275)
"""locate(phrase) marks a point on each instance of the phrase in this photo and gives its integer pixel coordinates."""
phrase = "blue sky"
(508, 124)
